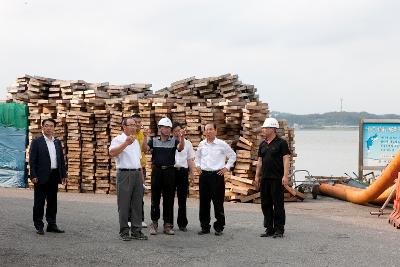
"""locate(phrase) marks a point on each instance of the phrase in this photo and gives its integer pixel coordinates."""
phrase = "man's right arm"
(116, 148)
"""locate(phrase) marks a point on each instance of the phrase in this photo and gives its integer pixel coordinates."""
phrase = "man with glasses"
(47, 170)
(126, 150)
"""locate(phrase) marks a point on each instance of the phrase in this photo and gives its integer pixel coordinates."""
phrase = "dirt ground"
(322, 232)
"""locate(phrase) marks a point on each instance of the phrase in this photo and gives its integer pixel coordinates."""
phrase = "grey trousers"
(129, 199)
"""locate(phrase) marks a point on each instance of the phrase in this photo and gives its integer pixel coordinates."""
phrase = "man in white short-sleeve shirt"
(126, 150)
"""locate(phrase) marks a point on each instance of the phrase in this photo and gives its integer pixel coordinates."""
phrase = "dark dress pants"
(42, 193)
(182, 187)
(272, 204)
(212, 188)
(163, 184)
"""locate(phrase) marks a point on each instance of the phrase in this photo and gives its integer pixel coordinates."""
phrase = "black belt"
(164, 167)
(181, 168)
(209, 171)
(126, 170)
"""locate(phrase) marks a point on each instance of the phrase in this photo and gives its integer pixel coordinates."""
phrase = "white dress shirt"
(181, 158)
(212, 156)
(130, 157)
(52, 151)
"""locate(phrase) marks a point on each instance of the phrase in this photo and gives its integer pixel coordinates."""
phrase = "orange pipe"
(383, 182)
(379, 200)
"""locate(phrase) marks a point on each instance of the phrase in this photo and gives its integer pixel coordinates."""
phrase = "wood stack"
(147, 114)
(287, 133)
(74, 149)
(102, 135)
(179, 89)
(86, 122)
(114, 107)
(130, 106)
(178, 113)
(61, 131)
(90, 114)
(139, 89)
(233, 118)
(96, 91)
(117, 91)
(213, 113)
(162, 108)
(18, 91)
(193, 128)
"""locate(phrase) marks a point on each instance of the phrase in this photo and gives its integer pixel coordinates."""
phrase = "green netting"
(14, 115)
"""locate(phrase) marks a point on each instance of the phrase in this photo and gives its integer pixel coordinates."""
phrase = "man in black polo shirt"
(163, 149)
(273, 165)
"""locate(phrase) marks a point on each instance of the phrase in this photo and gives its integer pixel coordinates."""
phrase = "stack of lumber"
(178, 112)
(162, 108)
(102, 136)
(74, 150)
(213, 113)
(86, 122)
(287, 133)
(114, 108)
(233, 118)
(17, 92)
(89, 115)
(130, 106)
(179, 89)
(146, 111)
(97, 91)
(61, 131)
(193, 128)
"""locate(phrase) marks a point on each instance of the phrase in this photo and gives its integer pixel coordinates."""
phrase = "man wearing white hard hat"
(271, 176)
(163, 148)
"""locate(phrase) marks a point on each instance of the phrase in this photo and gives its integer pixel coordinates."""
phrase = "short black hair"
(49, 119)
(176, 124)
(213, 125)
(136, 116)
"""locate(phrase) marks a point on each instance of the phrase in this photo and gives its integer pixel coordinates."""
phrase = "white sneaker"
(144, 225)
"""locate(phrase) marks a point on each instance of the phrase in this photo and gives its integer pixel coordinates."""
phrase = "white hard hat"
(165, 122)
(270, 123)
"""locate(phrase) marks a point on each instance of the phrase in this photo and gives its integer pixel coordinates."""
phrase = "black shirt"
(272, 157)
(163, 152)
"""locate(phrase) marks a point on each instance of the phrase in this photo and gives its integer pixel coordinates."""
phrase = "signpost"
(379, 141)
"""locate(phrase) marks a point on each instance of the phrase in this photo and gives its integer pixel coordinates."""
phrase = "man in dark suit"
(47, 170)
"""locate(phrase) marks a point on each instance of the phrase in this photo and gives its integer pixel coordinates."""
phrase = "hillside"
(345, 119)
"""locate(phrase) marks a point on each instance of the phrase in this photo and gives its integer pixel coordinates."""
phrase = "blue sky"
(302, 55)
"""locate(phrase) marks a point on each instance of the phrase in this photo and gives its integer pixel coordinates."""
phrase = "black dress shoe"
(267, 234)
(40, 231)
(218, 233)
(203, 232)
(54, 229)
(278, 234)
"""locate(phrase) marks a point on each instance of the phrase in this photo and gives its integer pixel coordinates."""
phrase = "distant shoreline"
(324, 128)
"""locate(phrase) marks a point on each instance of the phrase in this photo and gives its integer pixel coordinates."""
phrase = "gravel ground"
(322, 232)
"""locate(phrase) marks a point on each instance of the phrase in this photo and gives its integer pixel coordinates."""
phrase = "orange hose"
(383, 182)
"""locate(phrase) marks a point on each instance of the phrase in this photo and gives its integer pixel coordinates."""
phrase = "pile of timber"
(89, 115)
